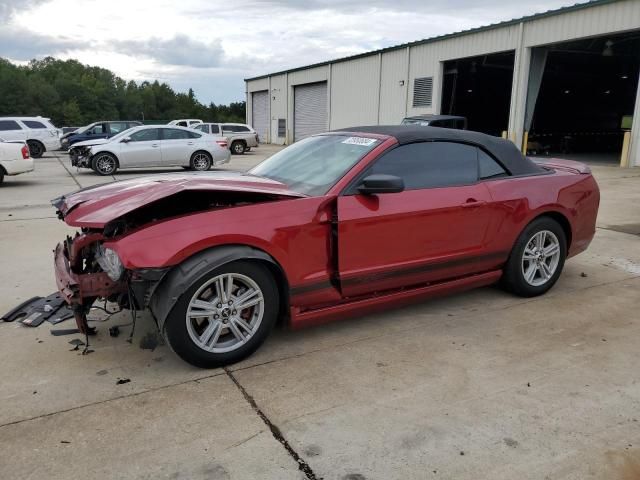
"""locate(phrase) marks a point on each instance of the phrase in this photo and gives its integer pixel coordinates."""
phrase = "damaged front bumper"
(80, 157)
(80, 283)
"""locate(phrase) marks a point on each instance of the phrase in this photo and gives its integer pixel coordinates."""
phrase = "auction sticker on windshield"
(365, 142)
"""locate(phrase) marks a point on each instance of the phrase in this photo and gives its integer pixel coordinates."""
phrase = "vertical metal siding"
(354, 92)
(278, 99)
(310, 110)
(392, 94)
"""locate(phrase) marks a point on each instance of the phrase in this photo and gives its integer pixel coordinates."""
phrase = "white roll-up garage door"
(260, 113)
(310, 110)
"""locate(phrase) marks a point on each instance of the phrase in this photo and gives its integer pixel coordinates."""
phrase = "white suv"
(39, 134)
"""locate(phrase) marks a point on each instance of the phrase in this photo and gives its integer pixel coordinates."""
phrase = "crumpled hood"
(89, 143)
(95, 206)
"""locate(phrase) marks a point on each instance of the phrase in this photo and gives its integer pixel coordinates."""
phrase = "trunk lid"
(95, 206)
(570, 166)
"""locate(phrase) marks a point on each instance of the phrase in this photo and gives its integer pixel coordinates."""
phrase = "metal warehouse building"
(563, 81)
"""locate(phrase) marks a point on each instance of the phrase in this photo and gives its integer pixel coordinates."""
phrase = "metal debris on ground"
(36, 310)
(122, 381)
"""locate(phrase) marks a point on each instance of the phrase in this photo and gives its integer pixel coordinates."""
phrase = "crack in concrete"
(68, 171)
(275, 431)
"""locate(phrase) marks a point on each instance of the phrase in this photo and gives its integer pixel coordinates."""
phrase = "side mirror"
(380, 183)
(125, 140)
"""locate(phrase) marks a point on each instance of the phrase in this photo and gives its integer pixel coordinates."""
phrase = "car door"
(11, 130)
(177, 146)
(433, 230)
(141, 150)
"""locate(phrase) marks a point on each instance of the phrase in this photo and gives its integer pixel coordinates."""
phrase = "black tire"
(104, 163)
(1, 175)
(238, 147)
(36, 149)
(514, 279)
(200, 161)
(177, 334)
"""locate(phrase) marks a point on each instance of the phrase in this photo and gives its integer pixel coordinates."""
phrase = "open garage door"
(310, 110)
(479, 88)
(581, 97)
(260, 113)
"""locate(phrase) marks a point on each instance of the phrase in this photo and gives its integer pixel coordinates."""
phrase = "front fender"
(182, 276)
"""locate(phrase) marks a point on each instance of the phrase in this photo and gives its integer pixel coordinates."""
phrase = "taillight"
(25, 152)
(222, 143)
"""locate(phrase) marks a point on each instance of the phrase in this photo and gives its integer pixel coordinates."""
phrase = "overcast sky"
(213, 45)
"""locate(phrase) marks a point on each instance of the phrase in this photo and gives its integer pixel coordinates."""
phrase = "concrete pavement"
(481, 384)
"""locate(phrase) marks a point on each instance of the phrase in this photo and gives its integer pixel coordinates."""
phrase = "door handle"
(155, 145)
(189, 143)
(473, 203)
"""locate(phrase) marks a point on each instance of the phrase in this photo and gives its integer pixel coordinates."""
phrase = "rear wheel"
(36, 149)
(201, 161)
(224, 316)
(537, 258)
(238, 147)
(104, 164)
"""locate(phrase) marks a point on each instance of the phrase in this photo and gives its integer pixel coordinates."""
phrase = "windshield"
(122, 134)
(409, 121)
(313, 165)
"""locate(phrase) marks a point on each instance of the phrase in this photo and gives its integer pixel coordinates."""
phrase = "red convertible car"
(337, 224)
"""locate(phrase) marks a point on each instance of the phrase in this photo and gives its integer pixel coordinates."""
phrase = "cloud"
(9, 7)
(19, 44)
(180, 50)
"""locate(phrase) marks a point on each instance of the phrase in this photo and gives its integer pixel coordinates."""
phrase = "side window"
(215, 129)
(488, 167)
(194, 135)
(33, 124)
(6, 125)
(117, 127)
(203, 128)
(242, 129)
(229, 128)
(146, 135)
(181, 124)
(97, 130)
(430, 164)
(175, 134)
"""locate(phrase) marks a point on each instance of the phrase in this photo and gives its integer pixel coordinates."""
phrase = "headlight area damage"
(80, 156)
(87, 268)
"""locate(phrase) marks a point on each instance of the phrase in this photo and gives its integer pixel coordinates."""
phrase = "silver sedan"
(151, 146)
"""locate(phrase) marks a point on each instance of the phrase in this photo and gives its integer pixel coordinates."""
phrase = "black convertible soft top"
(503, 150)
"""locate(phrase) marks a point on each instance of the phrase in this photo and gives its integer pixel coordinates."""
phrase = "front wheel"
(224, 316)
(104, 164)
(537, 258)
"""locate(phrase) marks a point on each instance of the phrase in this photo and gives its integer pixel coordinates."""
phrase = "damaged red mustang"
(337, 224)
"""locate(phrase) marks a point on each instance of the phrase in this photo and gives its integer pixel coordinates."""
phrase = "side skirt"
(387, 300)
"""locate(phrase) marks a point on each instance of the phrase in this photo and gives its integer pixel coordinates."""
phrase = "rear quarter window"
(35, 125)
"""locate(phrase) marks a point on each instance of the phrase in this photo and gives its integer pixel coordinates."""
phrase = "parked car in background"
(185, 122)
(14, 158)
(151, 146)
(337, 224)
(38, 133)
(66, 130)
(442, 121)
(241, 136)
(104, 129)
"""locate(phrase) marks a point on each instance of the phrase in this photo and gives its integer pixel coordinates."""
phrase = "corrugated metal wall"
(354, 92)
(379, 88)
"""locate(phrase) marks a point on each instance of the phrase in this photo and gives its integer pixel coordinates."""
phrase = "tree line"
(73, 94)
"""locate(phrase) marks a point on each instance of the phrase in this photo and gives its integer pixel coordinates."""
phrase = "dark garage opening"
(479, 88)
(586, 97)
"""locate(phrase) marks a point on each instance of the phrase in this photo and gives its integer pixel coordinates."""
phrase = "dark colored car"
(337, 224)
(96, 130)
(442, 121)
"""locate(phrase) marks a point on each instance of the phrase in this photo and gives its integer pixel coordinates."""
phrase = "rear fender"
(182, 276)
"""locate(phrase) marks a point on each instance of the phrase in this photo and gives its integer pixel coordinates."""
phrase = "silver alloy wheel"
(238, 147)
(540, 258)
(105, 164)
(200, 161)
(225, 313)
